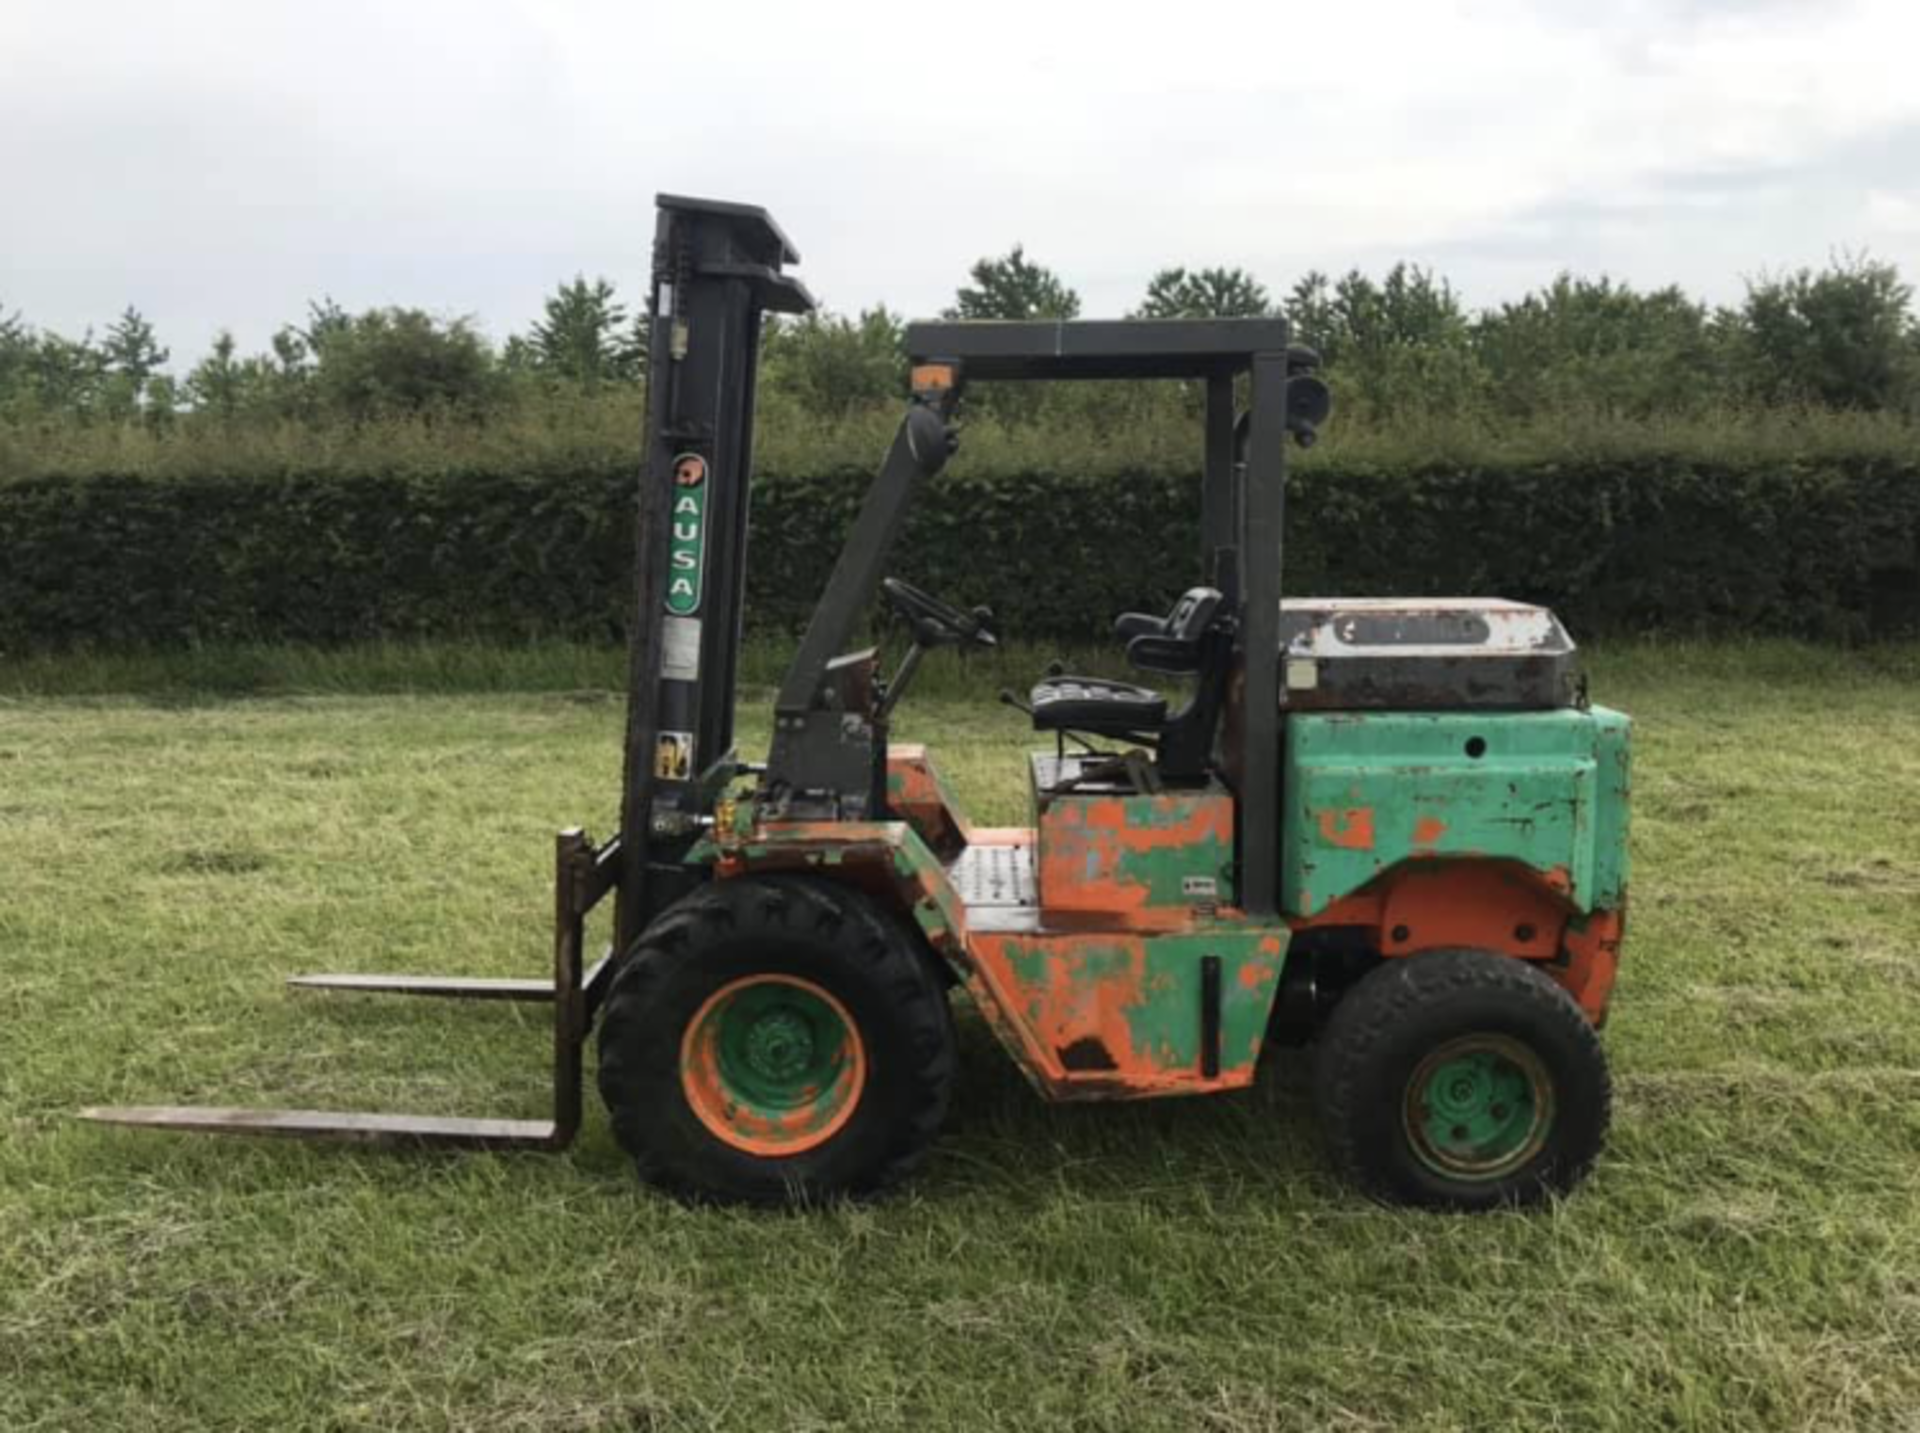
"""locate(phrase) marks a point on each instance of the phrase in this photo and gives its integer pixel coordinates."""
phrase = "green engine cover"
(1367, 790)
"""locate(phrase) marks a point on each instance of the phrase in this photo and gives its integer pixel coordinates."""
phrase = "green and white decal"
(687, 549)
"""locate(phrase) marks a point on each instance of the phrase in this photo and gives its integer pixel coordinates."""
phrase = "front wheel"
(776, 1040)
(1459, 1079)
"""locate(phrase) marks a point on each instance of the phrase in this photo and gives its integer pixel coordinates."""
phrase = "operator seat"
(1194, 638)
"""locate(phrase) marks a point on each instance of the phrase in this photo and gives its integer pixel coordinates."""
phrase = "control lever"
(1007, 698)
(897, 688)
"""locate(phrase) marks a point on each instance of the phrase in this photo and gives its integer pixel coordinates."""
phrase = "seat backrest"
(1193, 613)
(1173, 643)
(1187, 735)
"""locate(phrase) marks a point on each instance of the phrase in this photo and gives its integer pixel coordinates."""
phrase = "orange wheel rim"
(772, 1065)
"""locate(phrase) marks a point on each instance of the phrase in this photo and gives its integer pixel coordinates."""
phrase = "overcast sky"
(218, 164)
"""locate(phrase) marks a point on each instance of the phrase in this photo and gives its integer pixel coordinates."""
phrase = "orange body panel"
(1499, 906)
(1126, 858)
(1106, 1014)
(1096, 990)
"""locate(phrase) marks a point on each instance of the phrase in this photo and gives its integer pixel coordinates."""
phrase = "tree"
(16, 351)
(1204, 293)
(217, 382)
(131, 359)
(585, 336)
(65, 375)
(1398, 345)
(1843, 337)
(1597, 343)
(1014, 287)
(325, 320)
(831, 364)
(399, 360)
(280, 383)
(1309, 308)
(130, 348)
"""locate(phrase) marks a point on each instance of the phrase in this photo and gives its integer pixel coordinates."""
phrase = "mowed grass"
(1747, 1256)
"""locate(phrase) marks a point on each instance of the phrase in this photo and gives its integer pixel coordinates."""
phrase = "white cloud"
(1894, 213)
(225, 161)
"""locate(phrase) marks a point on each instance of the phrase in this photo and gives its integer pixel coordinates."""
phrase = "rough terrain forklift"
(1392, 829)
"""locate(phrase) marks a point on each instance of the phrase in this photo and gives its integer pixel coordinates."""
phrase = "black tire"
(836, 941)
(1369, 1081)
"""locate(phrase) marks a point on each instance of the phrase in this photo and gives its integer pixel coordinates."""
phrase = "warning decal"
(673, 756)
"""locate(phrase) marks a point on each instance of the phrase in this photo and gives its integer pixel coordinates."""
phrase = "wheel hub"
(772, 1064)
(779, 1045)
(1479, 1107)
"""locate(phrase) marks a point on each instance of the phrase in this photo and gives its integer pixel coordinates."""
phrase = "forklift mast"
(717, 269)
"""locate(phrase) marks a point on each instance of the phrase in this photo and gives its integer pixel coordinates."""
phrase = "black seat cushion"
(1096, 704)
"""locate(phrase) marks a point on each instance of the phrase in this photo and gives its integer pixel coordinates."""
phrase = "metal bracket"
(583, 875)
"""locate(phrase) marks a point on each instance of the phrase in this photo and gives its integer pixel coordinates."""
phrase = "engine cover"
(1425, 654)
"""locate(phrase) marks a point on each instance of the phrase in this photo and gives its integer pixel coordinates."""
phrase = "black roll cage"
(717, 268)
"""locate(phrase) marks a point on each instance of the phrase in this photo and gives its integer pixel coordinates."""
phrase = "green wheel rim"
(773, 1064)
(1479, 1108)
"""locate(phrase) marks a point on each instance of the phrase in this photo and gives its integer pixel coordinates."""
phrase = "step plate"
(333, 1124)
(986, 876)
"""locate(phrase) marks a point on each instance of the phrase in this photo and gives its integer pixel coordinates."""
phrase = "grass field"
(1747, 1256)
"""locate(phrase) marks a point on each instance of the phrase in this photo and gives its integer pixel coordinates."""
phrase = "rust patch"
(1428, 830)
(1118, 1013)
(1127, 857)
(1351, 830)
(1484, 905)
(1590, 958)
(917, 795)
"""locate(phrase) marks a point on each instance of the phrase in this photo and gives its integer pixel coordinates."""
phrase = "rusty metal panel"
(1132, 857)
(1425, 654)
(1366, 792)
(1121, 1014)
(917, 795)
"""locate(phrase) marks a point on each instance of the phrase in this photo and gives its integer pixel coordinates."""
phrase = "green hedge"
(1821, 547)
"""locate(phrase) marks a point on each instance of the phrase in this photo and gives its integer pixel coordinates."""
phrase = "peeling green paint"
(1137, 1000)
(1548, 789)
(1112, 853)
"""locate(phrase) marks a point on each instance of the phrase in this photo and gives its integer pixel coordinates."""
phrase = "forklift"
(1393, 830)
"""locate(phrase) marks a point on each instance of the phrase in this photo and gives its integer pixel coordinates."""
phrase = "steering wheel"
(936, 623)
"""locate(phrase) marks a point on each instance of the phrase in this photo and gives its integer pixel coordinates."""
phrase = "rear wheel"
(1460, 1079)
(773, 1040)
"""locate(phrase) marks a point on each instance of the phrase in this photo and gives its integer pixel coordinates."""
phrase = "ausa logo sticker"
(687, 548)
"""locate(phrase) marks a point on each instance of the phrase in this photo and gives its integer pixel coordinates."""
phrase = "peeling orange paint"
(1436, 905)
(1593, 957)
(810, 1123)
(1351, 830)
(1067, 1004)
(917, 795)
(1085, 845)
(1428, 830)
(1081, 998)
